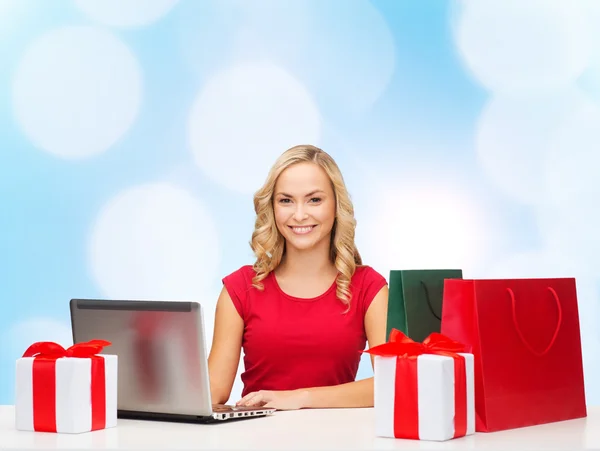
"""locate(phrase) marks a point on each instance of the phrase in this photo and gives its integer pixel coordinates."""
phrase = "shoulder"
(243, 275)
(365, 274)
(366, 284)
(238, 285)
(240, 281)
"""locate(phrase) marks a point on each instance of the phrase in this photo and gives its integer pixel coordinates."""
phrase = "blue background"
(133, 135)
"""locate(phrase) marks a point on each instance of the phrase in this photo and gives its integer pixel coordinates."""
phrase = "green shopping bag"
(415, 301)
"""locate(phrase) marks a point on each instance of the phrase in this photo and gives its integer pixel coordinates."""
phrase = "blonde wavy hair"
(269, 245)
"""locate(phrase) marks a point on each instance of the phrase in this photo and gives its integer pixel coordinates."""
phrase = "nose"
(300, 213)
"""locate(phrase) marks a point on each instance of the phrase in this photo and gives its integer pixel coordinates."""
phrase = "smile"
(302, 230)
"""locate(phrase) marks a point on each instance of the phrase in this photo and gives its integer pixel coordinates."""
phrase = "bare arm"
(226, 348)
(358, 393)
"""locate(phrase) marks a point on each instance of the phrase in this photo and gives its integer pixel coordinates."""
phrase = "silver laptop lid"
(163, 366)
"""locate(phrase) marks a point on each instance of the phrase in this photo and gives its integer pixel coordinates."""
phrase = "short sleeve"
(237, 285)
(372, 283)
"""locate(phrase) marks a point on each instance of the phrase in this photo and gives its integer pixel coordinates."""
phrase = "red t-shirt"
(292, 343)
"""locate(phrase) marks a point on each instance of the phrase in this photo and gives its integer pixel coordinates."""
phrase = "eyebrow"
(312, 193)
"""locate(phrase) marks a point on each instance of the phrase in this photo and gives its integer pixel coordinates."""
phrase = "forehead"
(302, 177)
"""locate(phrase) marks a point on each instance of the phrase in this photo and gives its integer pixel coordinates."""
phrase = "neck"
(307, 263)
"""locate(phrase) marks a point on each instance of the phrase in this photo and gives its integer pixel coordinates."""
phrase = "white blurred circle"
(244, 118)
(125, 13)
(524, 44)
(155, 241)
(514, 135)
(567, 215)
(423, 227)
(23, 334)
(344, 52)
(572, 165)
(572, 228)
(77, 91)
(19, 336)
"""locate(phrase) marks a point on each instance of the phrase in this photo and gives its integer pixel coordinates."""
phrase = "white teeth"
(302, 229)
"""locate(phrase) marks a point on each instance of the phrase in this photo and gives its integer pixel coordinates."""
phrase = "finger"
(256, 401)
(250, 399)
(244, 399)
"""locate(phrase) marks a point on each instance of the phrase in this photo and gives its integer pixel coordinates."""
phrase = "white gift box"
(73, 398)
(435, 392)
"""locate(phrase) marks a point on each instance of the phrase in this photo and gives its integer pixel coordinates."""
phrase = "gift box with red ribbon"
(70, 390)
(423, 391)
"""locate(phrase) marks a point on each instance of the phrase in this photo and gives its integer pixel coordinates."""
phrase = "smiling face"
(304, 206)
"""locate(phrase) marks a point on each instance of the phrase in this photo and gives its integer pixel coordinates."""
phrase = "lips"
(302, 230)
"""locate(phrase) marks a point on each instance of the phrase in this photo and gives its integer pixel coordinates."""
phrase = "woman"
(304, 311)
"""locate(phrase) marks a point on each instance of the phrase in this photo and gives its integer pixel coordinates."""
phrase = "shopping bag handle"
(429, 301)
(516, 323)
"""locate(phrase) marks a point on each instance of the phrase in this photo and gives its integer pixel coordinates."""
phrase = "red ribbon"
(44, 381)
(406, 402)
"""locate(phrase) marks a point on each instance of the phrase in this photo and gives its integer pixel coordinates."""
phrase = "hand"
(280, 400)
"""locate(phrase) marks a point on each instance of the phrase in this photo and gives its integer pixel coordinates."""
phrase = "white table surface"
(325, 429)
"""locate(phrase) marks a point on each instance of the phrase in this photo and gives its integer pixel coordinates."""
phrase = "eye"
(315, 199)
(285, 200)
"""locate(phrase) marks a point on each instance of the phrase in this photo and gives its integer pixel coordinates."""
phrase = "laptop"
(163, 361)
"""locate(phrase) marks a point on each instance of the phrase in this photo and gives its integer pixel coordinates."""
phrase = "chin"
(301, 245)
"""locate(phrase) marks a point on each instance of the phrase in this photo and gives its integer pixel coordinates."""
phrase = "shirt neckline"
(297, 299)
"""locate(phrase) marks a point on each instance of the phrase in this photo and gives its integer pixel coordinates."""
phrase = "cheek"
(332, 213)
(327, 215)
(280, 215)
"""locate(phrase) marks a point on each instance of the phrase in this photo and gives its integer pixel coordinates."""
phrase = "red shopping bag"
(524, 334)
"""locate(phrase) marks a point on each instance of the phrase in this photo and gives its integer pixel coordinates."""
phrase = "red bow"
(53, 350)
(402, 346)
